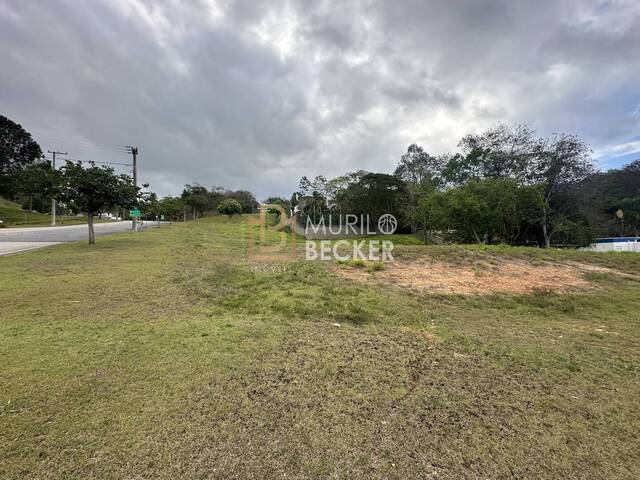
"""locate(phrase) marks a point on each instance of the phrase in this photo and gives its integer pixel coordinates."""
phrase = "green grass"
(13, 216)
(165, 354)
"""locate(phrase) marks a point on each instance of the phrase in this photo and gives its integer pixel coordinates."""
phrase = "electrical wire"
(88, 161)
(80, 143)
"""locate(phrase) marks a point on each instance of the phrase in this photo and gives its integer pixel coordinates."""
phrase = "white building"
(616, 244)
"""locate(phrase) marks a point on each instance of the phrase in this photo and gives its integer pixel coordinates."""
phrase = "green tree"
(314, 205)
(283, 202)
(196, 198)
(560, 160)
(598, 197)
(230, 207)
(95, 189)
(38, 181)
(501, 152)
(244, 198)
(17, 150)
(317, 184)
(376, 194)
(423, 174)
(173, 207)
(481, 211)
(149, 204)
(417, 167)
(334, 187)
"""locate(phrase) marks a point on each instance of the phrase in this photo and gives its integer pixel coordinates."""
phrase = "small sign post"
(135, 215)
(620, 215)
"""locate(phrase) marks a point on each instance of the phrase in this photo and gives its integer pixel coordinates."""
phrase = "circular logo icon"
(387, 224)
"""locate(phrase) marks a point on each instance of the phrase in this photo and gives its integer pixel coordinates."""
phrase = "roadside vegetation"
(505, 185)
(13, 216)
(181, 359)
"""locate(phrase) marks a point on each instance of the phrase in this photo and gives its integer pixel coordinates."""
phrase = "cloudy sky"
(250, 94)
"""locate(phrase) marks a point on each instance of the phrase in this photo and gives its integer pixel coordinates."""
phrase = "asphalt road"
(14, 240)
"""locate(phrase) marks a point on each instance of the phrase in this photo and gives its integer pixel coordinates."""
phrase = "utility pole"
(53, 200)
(134, 152)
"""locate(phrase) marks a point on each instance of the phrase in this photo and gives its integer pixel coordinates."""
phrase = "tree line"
(26, 177)
(505, 185)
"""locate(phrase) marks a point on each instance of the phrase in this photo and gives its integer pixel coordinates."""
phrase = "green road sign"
(134, 213)
(161, 217)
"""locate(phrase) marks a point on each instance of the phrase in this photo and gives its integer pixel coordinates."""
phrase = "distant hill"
(12, 214)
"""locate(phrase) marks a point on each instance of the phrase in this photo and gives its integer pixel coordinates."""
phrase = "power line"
(100, 163)
(79, 141)
(93, 161)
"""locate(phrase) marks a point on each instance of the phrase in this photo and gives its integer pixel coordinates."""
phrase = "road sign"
(134, 213)
(161, 217)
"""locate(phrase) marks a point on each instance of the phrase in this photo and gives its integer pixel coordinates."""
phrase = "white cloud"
(253, 94)
(619, 150)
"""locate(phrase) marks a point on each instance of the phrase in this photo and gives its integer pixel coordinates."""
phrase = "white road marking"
(7, 248)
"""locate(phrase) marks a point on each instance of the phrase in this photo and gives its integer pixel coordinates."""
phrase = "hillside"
(12, 215)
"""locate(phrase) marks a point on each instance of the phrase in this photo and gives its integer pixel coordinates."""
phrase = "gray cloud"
(253, 94)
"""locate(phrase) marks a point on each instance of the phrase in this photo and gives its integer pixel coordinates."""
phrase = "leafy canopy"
(95, 189)
(230, 207)
(17, 150)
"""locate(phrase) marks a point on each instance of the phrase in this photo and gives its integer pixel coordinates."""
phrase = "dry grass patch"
(506, 276)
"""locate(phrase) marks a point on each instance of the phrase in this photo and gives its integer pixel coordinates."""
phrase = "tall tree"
(417, 167)
(317, 184)
(171, 206)
(559, 161)
(196, 198)
(95, 189)
(376, 194)
(423, 174)
(501, 152)
(333, 187)
(17, 150)
(38, 181)
(246, 199)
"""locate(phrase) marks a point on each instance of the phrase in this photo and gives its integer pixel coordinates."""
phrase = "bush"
(230, 207)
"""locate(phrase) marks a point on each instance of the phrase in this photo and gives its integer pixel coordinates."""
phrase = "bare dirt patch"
(506, 276)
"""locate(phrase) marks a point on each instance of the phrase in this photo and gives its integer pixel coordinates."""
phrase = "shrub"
(230, 207)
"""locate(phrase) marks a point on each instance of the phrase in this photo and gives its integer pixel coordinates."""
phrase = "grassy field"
(165, 354)
(13, 216)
